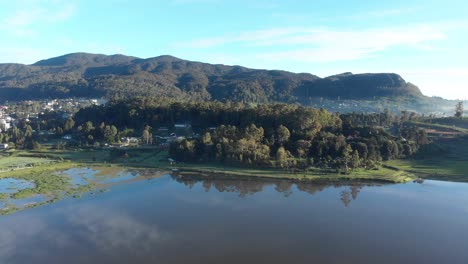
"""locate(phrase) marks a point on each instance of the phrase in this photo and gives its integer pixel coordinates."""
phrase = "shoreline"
(381, 175)
(50, 182)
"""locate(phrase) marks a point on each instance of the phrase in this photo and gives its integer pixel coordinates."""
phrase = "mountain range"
(96, 75)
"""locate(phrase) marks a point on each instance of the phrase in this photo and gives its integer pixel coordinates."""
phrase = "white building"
(4, 125)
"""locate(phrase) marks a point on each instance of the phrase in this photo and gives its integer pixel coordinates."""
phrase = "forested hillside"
(94, 75)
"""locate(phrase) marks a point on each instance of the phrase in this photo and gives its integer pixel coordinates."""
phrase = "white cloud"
(322, 44)
(304, 49)
(384, 13)
(449, 83)
(23, 19)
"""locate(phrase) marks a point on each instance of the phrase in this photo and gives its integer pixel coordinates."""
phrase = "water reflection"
(111, 231)
(352, 193)
(89, 230)
(245, 187)
(107, 176)
(200, 220)
(28, 201)
(10, 185)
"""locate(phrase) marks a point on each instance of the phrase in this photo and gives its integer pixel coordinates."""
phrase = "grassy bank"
(449, 163)
(153, 158)
(383, 174)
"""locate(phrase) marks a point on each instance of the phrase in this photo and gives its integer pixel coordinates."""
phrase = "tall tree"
(283, 134)
(109, 133)
(459, 109)
(281, 157)
(69, 124)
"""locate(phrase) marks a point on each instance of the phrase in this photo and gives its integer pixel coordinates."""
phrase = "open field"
(440, 127)
(449, 122)
(445, 159)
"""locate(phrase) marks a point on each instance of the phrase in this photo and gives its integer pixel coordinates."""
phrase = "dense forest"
(271, 135)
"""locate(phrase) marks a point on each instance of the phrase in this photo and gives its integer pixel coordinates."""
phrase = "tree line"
(270, 135)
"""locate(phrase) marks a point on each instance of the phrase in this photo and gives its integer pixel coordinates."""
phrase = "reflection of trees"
(355, 189)
(206, 186)
(353, 192)
(284, 187)
(189, 182)
(245, 187)
(311, 188)
(345, 198)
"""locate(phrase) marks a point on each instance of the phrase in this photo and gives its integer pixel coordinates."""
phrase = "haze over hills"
(96, 75)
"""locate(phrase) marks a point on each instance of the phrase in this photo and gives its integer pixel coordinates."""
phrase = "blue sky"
(424, 41)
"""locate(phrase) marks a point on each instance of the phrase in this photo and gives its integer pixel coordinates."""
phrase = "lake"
(171, 219)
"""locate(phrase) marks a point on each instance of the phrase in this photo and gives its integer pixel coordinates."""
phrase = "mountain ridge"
(90, 75)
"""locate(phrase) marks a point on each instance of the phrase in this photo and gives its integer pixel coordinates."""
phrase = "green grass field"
(441, 127)
(446, 160)
(11, 162)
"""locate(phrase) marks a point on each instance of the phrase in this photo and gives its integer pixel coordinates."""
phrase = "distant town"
(46, 118)
(13, 114)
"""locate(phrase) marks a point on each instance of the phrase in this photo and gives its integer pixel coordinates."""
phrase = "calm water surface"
(169, 220)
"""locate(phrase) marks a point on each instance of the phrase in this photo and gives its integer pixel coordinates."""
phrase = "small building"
(4, 125)
(182, 125)
(129, 140)
(3, 146)
(119, 145)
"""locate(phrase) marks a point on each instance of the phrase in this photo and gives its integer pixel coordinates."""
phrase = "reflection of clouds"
(14, 233)
(110, 231)
(105, 230)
